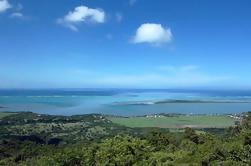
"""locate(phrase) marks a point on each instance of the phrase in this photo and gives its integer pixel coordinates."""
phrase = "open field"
(4, 114)
(181, 121)
(28, 138)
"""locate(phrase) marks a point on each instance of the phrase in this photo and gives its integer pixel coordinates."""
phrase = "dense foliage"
(133, 147)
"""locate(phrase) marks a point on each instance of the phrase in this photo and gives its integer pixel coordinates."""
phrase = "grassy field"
(176, 121)
(4, 114)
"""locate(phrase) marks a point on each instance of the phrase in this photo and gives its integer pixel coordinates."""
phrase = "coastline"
(149, 102)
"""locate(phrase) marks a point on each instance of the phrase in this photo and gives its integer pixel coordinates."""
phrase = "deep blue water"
(125, 101)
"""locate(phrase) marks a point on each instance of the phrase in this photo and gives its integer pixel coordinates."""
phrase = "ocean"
(125, 102)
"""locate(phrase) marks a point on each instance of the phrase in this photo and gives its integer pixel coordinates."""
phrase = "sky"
(125, 44)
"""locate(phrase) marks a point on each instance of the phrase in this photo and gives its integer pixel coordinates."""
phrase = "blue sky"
(125, 44)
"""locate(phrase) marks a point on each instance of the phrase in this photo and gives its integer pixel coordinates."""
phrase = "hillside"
(33, 139)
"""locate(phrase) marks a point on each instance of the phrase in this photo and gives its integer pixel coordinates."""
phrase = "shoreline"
(133, 116)
(149, 102)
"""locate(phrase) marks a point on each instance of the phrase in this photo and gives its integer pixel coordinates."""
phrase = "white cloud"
(153, 34)
(82, 14)
(16, 12)
(119, 17)
(4, 5)
(17, 15)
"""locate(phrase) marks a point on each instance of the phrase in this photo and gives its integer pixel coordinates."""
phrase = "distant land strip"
(180, 101)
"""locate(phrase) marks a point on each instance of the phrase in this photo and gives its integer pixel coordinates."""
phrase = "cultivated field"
(4, 114)
(181, 121)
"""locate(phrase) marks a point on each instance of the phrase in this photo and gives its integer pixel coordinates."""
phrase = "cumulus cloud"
(153, 34)
(82, 14)
(4, 5)
(16, 9)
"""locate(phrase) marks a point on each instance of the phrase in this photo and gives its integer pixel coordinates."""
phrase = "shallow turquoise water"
(123, 102)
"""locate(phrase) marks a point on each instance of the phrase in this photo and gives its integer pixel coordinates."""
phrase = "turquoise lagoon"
(125, 102)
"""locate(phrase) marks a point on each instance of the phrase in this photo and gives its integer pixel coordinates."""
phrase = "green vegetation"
(4, 114)
(70, 129)
(28, 139)
(179, 121)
